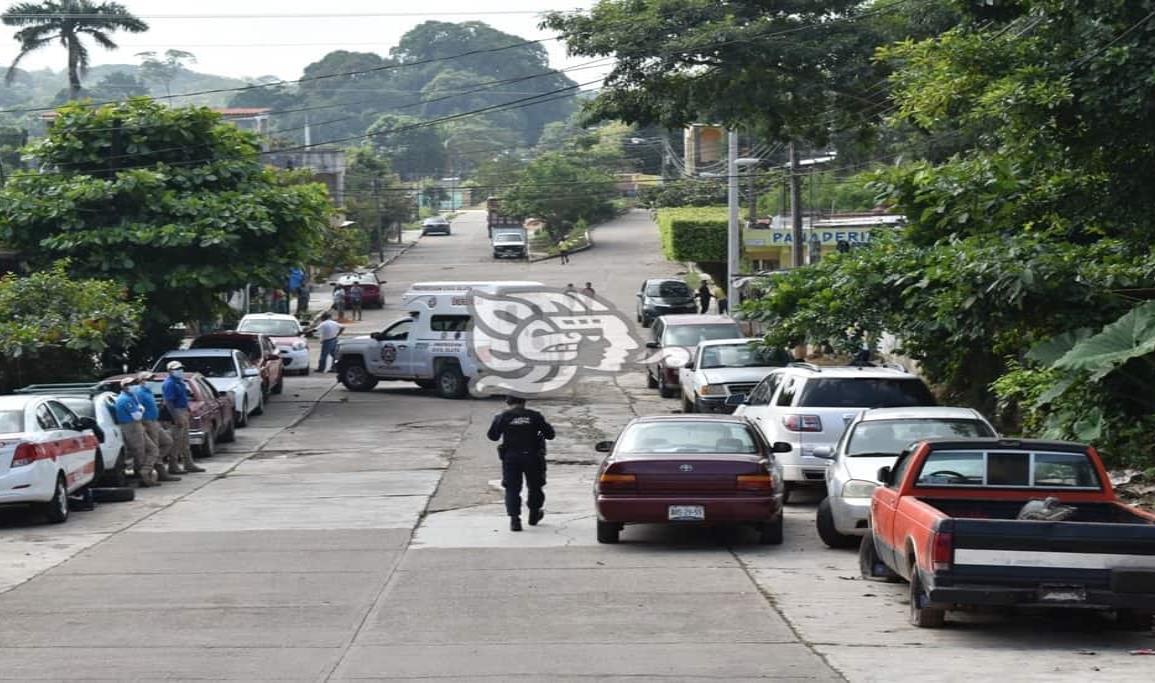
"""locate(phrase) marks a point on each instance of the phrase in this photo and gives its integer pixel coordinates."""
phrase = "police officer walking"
(522, 433)
(176, 400)
(159, 436)
(129, 415)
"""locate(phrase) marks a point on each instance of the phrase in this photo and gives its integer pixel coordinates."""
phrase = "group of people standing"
(158, 455)
(706, 292)
(350, 299)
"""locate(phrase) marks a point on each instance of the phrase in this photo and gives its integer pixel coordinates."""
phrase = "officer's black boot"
(535, 516)
(515, 523)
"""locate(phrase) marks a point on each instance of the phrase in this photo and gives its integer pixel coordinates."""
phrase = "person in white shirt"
(329, 330)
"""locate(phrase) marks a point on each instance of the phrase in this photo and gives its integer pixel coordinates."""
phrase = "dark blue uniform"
(522, 432)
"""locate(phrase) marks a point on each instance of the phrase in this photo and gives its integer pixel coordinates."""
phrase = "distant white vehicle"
(47, 452)
(721, 367)
(225, 370)
(286, 333)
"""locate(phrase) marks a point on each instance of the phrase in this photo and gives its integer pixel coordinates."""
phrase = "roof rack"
(87, 388)
(804, 365)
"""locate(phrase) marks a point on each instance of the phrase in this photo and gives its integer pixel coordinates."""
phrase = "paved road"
(361, 536)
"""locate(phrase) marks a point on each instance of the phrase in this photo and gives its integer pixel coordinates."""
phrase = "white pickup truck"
(428, 346)
(722, 367)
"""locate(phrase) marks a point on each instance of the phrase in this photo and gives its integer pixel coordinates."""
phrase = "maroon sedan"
(689, 469)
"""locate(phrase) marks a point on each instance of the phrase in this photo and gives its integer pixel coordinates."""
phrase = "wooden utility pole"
(380, 220)
(796, 247)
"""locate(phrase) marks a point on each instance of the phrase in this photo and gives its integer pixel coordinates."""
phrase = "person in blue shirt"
(130, 416)
(176, 398)
(152, 429)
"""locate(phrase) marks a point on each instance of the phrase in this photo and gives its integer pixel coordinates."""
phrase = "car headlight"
(300, 346)
(712, 390)
(857, 488)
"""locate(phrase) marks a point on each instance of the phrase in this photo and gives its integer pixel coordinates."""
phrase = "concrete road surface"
(361, 536)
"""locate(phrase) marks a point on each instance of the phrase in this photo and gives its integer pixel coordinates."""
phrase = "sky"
(267, 39)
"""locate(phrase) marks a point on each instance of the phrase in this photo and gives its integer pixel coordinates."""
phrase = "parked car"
(372, 295)
(258, 348)
(212, 417)
(87, 399)
(286, 332)
(674, 338)
(948, 519)
(698, 469)
(435, 226)
(809, 406)
(664, 296)
(875, 439)
(227, 370)
(47, 453)
(722, 367)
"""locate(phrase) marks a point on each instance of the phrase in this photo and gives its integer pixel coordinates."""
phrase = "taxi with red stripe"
(47, 453)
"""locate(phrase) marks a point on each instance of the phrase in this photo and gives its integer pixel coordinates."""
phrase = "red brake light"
(802, 423)
(28, 453)
(617, 482)
(942, 551)
(755, 482)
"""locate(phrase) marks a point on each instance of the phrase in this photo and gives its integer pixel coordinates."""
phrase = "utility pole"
(735, 234)
(380, 219)
(796, 248)
(753, 218)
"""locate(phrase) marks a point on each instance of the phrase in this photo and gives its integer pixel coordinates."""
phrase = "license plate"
(1062, 594)
(687, 513)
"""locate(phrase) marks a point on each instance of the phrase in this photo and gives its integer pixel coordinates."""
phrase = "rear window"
(273, 328)
(11, 421)
(210, 366)
(249, 347)
(873, 437)
(692, 335)
(1011, 469)
(669, 290)
(865, 392)
(687, 437)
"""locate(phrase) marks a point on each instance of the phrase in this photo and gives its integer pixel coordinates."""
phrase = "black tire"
(609, 532)
(922, 613)
(651, 382)
(279, 387)
(450, 383)
(870, 565)
(824, 520)
(646, 322)
(241, 419)
(771, 533)
(56, 510)
(117, 475)
(260, 407)
(113, 494)
(209, 448)
(305, 372)
(663, 390)
(787, 490)
(230, 434)
(356, 377)
(688, 406)
(1133, 619)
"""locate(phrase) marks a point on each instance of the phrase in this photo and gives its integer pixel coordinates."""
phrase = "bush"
(694, 234)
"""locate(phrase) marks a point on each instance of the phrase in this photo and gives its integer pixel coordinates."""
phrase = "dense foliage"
(561, 190)
(693, 234)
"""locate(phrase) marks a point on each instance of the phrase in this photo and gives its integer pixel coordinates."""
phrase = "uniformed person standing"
(176, 399)
(165, 469)
(129, 415)
(522, 433)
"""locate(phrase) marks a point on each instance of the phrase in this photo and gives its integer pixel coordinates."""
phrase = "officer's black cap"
(514, 400)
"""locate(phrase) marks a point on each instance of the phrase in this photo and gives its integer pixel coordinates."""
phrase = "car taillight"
(755, 482)
(942, 551)
(617, 482)
(802, 423)
(28, 453)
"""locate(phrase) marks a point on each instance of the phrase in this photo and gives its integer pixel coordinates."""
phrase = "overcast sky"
(268, 40)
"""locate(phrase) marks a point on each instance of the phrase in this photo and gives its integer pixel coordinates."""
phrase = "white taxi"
(47, 453)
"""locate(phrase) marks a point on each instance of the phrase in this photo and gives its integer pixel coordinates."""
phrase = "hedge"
(694, 234)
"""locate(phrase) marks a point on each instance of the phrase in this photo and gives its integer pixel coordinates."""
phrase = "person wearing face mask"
(165, 470)
(176, 399)
(129, 417)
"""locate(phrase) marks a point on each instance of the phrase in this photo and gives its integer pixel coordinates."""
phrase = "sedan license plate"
(687, 513)
(1062, 594)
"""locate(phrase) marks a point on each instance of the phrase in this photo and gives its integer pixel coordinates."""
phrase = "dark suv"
(664, 296)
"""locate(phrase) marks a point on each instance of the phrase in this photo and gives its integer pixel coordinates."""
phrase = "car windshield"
(875, 437)
(209, 366)
(692, 335)
(669, 290)
(11, 421)
(865, 392)
(507, 237)
(740, 356)
(689, 436)
(271, 327)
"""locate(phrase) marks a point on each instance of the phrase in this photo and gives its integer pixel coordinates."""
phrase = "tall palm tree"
(68, 21)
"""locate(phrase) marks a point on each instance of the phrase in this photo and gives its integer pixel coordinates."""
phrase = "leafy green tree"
(561, 190)
(375, 199)
(68, 22)
(54, 325)
(414, 148)
(173, 203)
(163, 70)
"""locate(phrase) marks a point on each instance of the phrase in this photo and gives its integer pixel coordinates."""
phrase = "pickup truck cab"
(946, 519)
(510, 242)
(430, 345)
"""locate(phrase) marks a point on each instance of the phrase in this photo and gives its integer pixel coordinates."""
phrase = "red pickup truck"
(947, 519)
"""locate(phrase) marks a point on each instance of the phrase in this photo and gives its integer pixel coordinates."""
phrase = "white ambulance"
(429, 345)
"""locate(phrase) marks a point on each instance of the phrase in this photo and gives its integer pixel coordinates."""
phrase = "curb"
(394, 256)
(589, 245)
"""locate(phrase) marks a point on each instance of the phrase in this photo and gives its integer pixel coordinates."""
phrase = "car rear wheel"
(279, 387)
(824, 520)
(355, 377)
(922, 614)
(116, 476)
(260, 409)
(242, 418)
(664, 390)
(870, 565)
(651, 383)
(209, 448)
(230, 434)
(609, 532)
(451, 383)
(687, 405)
(56, 509)
(771, 533)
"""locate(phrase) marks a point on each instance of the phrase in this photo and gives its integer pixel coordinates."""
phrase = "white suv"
(809, 406)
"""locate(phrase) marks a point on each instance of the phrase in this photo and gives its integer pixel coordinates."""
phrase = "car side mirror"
(85, 423)
(220, 394)
(640, 295)
(604, 446)
(250, 372)
(653, 345)
(736, 400)
(781, 447)
(824, 452)
(689, 365)
(883, 475)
